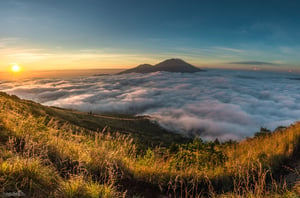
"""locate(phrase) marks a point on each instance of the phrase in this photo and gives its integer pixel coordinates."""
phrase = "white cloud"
(216, 103)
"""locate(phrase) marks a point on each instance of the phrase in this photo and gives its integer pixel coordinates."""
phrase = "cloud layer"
(217, 103)
(253, 63)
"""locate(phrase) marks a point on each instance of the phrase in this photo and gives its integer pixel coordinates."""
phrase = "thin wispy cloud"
(228, 49)
(253, 63)
(33, 58)
(7, 41)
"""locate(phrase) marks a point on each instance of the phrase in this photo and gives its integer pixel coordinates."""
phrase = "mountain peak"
(173, 60)
(169, 65)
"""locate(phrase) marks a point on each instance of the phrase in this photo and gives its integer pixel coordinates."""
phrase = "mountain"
(169, 65)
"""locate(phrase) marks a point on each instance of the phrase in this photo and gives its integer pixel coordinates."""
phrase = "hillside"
(51, 152)
(170, 65)
(142, 129)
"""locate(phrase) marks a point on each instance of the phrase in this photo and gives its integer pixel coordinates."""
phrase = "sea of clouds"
(224, 104)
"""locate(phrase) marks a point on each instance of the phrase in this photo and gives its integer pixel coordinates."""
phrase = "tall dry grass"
(74, 161)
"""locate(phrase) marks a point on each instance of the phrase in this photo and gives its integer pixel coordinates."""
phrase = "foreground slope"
(141, 128)
(44, 155)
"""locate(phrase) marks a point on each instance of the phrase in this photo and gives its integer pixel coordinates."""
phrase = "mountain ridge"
(169, 65)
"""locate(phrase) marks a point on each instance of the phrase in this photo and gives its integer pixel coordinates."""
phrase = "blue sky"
(60, 34)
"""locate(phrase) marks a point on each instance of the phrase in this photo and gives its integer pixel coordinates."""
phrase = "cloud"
(235, 50)
(220, 104)
(253, 63)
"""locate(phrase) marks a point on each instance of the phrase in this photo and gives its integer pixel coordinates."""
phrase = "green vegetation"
(52, 152)
(141, 129)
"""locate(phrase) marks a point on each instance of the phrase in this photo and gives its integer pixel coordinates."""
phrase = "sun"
(15, 68)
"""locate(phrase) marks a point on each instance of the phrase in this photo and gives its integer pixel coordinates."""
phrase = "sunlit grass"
(41, 151)
(77, 186)
(29, 175)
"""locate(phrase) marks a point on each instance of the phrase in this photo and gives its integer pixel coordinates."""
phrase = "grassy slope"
(55, 152)
(140, 128)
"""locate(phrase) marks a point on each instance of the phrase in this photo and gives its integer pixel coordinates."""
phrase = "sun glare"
(15, 68)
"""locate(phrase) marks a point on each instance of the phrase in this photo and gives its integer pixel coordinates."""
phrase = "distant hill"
(169, 65)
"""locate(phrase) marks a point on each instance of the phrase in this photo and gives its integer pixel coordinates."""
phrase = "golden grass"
(29, 175)
(77, 186)
(75, 162)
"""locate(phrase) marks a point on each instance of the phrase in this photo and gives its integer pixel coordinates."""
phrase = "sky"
(82, 34)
